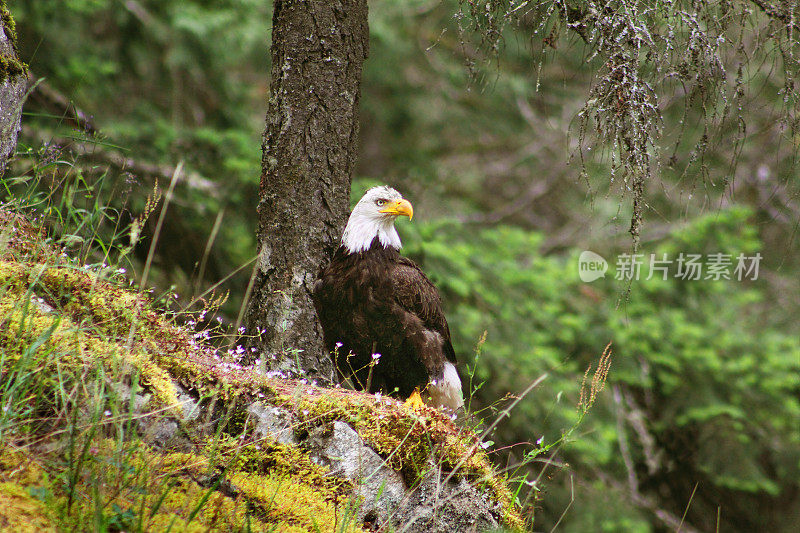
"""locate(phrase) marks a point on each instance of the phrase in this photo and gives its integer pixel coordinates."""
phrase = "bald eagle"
(381, 316)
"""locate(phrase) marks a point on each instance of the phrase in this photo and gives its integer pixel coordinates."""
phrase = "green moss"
(271, 457)
(9, 25)
(407, 440)
(20, 512)
(20, 479)
(139, 488)
(73, 346)
(97, 318)
(293, 503)
(262, 490)
(10, 66)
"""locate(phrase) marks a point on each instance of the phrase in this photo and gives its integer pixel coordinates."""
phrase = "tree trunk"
(12, 88)
(309, 152)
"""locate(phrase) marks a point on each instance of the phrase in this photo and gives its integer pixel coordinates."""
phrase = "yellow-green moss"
(171, 487)
(271, 457)
(287, 500)
(72, 345)
(96, 319)
(407, 440)
(20, 511)
(9, 25)
(132, 486)
(10, 67)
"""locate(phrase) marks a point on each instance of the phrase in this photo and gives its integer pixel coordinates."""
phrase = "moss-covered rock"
(116, 416)
(20, 480)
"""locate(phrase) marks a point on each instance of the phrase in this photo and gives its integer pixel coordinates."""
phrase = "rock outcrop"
(116, 416)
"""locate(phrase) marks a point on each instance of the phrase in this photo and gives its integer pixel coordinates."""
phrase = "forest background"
(700, 418)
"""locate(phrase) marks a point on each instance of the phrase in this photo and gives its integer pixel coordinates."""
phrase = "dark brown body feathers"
(378, 301)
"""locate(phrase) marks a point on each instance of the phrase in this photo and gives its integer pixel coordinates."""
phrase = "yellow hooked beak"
(399, 207)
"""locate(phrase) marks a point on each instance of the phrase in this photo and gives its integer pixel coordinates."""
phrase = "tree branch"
(94, 151)
(672, 521)
(58, 104)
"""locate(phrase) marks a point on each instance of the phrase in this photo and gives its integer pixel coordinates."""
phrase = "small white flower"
(338, 344)
(541, 439)
(107, 413)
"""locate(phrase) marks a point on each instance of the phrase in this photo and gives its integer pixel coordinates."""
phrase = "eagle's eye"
(380, 203)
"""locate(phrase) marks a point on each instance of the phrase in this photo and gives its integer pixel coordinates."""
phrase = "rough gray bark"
(12, 89)
(309, 152)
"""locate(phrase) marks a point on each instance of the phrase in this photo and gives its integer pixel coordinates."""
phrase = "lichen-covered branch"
(650, 56)
(786, 12)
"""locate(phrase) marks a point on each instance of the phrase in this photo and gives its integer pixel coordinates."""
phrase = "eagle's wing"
(418, 295)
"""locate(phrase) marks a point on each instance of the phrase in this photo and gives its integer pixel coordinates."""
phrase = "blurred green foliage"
(716, 392)
(703, 390)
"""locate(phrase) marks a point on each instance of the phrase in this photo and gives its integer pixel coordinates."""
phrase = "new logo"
(591, 266)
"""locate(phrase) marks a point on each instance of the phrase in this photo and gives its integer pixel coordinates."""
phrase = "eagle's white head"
(374, 216)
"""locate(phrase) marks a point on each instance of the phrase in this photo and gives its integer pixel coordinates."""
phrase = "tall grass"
(54, 408)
